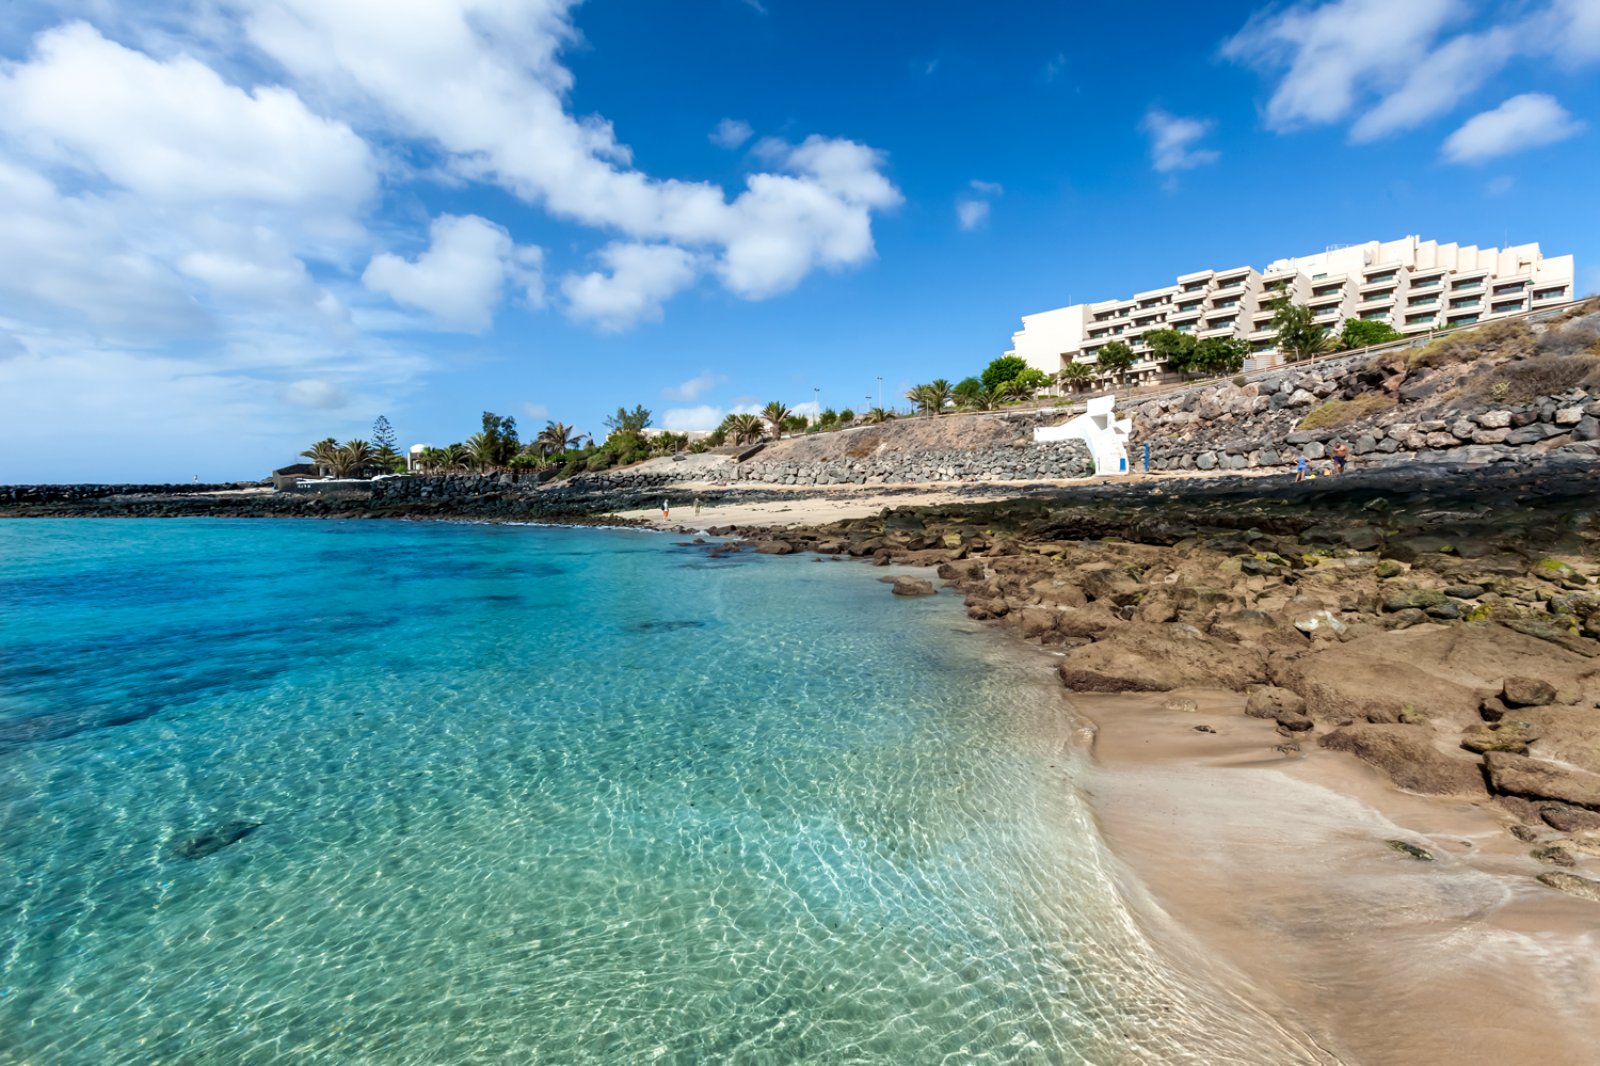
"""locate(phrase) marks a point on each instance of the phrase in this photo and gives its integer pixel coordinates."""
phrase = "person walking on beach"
(697, 507)
(666, 515)
(1302, 467)
(1341, 455)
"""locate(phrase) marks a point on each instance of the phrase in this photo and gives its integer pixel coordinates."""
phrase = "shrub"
(1343, 412)
(1358, 333)
(1578, 336)
(1511, 339)
(1003, 370)
(1525, 380)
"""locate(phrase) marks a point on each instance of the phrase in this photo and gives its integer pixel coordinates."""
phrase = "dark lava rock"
(1554, 855)
(210, 841)
(1420, 854)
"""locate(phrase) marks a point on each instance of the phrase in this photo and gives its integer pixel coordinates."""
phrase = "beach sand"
(1280, 866)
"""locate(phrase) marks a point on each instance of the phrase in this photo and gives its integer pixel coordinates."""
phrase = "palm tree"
(978, 400)
(743, 429)
(555, 438)
(930, 398)
(1017, 390)
(775, 413)
(322, 454)
(877, 416)
(1075, 376)
(351, 458)
(483, 449)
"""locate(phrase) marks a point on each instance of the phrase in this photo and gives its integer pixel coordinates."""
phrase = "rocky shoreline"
(1440, 624)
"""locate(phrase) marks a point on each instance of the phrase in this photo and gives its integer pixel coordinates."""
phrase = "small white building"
(1412, 284)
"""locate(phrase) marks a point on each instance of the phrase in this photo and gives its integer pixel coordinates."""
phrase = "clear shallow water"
(542, 795)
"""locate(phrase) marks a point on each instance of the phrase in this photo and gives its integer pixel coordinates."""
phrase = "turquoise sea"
(538, 795)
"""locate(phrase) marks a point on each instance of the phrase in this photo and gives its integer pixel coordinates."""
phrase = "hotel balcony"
(1461, 320)
(1185, 316)
(1468, 283)
(1428, 281)
(1424, 320)
(1224, 329)
(1373, 281)
(1377, 299)
(1422, 301)
(1508, 307)
(1336, 296)
(1549, 295)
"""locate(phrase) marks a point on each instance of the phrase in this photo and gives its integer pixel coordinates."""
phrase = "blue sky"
(232, 227)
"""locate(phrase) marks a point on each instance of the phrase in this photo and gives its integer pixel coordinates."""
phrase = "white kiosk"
(1106, 436)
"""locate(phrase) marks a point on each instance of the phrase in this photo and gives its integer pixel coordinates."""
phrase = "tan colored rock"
(1408, 756)
(1523, 776)
(1140, 657)
(1269, 701)
(1572, 885)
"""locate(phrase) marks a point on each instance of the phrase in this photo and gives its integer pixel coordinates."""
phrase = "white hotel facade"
(1412, 284)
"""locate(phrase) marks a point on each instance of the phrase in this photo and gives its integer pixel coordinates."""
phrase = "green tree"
(1003, 370)
(930, 398)
(1115, 359)
(1219, 355)
(877, 416)
(846, 416)
(322, 454)
(634, 422)
(981, 399)
(775, 414)
(352, 458)
(743, 429)
(555, 438)
(964, 388)
(1173, 348)
(1300, 336)
(1358, 333)
(1075, 376)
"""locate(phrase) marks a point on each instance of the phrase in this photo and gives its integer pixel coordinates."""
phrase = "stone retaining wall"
(69, 493)
(1034, 462)
(1228, 427)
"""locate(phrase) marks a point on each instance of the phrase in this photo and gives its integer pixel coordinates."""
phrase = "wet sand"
(1278, 866)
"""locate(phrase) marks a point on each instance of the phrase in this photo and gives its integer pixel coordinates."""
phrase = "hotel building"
(1412, 284)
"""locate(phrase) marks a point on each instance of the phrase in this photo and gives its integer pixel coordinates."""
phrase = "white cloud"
(481, 81)
(537, 411)
(1331, 53)
(641, 278)
(731, 133)
(1437, 82)
(316, 394)
(1385, 63)
(692, 389)
(1174, 141)
(970, 214)
(986, 188)
(175, 132)
(1522, 122)
(1499, 186)
(685, 419)
(460, 278)
(1575, 30)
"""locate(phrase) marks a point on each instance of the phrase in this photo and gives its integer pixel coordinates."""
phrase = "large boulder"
(912, 586)
(1527, 692)
(1145, 657)
(1408, 756)
(1537, 779)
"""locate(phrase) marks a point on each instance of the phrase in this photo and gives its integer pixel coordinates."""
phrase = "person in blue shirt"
(1302, 467)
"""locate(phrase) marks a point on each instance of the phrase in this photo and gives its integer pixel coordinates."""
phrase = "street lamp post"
(880, 390)
(816, 390)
